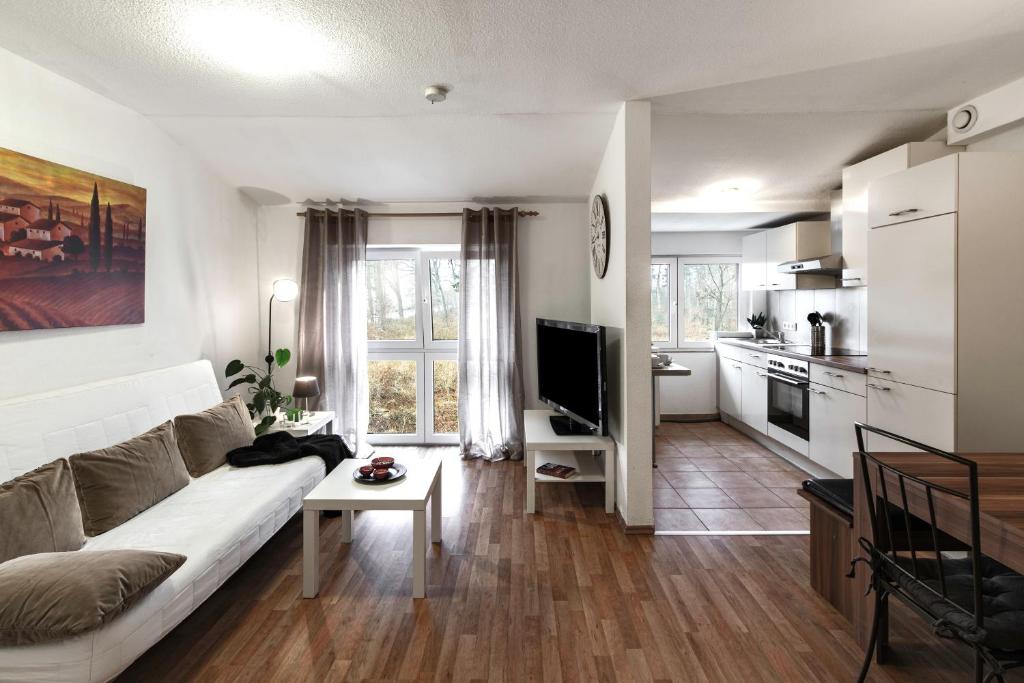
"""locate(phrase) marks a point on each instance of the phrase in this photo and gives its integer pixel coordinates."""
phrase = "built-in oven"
(789, 401)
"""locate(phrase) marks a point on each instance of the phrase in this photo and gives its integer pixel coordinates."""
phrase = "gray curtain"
(490, 348)
(332, 317)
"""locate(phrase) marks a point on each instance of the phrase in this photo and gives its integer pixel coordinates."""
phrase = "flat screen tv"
(572, 375)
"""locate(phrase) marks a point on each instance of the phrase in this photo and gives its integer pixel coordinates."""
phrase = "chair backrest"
(893, 480)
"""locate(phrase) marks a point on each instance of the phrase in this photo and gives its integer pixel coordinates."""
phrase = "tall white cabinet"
(945, 251)
(856, 179)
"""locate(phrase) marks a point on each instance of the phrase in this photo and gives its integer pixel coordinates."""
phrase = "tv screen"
(571, 370)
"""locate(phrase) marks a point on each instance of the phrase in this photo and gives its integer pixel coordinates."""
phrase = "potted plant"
(757, 323)
(264, 399)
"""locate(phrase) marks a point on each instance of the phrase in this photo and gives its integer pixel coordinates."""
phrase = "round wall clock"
(599, 235)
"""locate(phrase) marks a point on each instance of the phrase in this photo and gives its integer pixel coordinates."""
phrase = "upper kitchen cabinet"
(753, 274)
(944, 322)
(764, 251)
(855, 199)
(793, 242)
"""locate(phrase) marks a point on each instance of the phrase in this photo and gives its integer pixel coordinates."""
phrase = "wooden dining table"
(1000, 498)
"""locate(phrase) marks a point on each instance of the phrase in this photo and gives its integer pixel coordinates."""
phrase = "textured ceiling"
(534, 86)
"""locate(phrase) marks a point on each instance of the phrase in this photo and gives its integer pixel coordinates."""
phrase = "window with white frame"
(691, 297)
(412, 329)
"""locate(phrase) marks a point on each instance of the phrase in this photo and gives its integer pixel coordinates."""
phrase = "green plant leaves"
(265, 423)
(234, 367)
(282, 356)
(244, 379)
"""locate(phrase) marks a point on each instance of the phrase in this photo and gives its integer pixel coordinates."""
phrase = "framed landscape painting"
(72, 247)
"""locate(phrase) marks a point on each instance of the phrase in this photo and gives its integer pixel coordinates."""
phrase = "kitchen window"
(691, 297)
(412, 331)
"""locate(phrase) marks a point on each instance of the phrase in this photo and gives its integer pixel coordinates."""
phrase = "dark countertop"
(851, 363)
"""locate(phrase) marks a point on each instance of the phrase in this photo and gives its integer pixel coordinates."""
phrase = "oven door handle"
(785, 380)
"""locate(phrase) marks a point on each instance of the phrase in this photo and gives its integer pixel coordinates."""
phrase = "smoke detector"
(436, 93)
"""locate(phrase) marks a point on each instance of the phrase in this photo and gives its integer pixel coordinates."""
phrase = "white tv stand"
(565, 450)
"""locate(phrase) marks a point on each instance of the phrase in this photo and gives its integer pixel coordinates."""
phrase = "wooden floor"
(562, 596)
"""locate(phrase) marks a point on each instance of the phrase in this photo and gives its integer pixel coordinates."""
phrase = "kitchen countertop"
(851, 363)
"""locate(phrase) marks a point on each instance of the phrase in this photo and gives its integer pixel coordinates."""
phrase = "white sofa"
(218, 521)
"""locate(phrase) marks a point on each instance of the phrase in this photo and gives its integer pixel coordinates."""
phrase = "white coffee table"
(339, 491)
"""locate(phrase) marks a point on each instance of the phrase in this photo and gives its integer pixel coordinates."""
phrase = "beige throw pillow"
(205, 438)
(39, 513)
(51, 596)
(115, 484)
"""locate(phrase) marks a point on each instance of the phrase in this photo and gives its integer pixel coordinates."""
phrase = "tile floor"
(711, 477)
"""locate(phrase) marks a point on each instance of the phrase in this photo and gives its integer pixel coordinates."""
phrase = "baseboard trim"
(634, 530)
(683, 417)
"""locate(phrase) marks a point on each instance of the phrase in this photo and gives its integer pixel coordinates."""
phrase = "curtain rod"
(522, 214)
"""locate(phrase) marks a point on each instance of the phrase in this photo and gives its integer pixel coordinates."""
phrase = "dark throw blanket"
(278, 447)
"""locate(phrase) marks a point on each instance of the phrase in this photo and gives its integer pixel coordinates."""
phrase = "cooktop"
(829, 351)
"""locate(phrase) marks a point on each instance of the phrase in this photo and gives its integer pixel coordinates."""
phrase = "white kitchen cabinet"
(912, 302)
(754, 395)
(793, 242)
(833, 438)
(856, 179)
(944, 256)
(842, 379)
(730, 387)
(924, 415)
(753, 273)
(926, 190)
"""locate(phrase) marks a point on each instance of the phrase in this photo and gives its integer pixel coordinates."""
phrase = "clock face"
(599, 236)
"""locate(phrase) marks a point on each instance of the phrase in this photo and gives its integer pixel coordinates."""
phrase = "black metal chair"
(973, 599)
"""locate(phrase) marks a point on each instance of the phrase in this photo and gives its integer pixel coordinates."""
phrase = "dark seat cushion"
(836, 492)
(1002, 592)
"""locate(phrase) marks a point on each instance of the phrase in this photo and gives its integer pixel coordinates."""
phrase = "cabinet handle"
(761, 374)
(754, 355)
(776, 284)
(833, 374)
(815, 391)
(875, 386)
(904, 212)
(880, 371)
(851, 279)
(737, 367)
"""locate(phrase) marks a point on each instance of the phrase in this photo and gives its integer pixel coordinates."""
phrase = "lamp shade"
(306, 387)
(285, 289)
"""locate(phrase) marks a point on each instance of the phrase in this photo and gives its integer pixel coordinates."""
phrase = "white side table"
(312, 424)
(562, 450)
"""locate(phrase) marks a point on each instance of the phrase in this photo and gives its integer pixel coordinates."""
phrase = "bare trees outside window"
(692, 297)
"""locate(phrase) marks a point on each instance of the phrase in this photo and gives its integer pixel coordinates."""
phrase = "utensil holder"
(817, 340)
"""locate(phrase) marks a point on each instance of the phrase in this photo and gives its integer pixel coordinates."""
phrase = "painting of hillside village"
(72, 247)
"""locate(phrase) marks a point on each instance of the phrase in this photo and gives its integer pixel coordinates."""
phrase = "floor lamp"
(285, 290)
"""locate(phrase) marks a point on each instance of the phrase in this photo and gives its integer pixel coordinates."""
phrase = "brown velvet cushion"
(51, 596)
(205, 438)
(39, 513)
(115, 484)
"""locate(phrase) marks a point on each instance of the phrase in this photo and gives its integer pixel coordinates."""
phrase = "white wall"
(711, 243)
(200, 251)
(553, 264)
(621, 301)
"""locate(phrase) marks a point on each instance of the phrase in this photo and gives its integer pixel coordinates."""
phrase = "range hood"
(819, 265)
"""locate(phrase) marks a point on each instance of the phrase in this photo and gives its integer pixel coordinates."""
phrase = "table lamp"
(306, 387)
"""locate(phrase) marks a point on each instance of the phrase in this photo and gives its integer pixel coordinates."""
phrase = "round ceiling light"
(436, 93)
